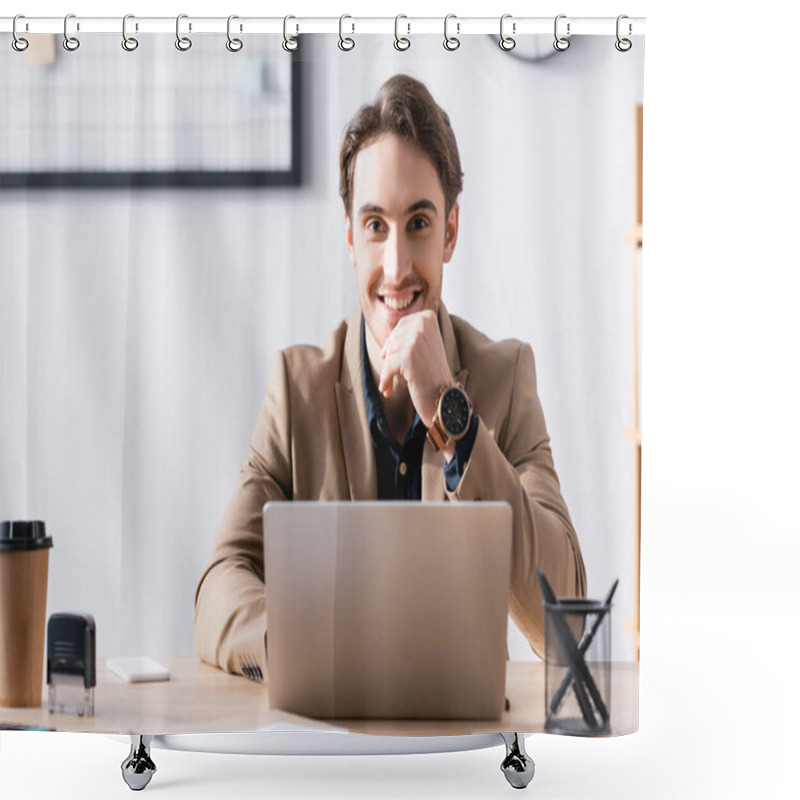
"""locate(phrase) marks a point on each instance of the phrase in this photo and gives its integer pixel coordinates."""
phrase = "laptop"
(387, 610)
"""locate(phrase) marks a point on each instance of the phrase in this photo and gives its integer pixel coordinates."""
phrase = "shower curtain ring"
(451, 42)
(346, 43)
(289, 44)
(183, 43)
(401, 42)
(18, 42)
(128, 42)
(233, 45)
(507, 42)
(561, 43)
(623, 45)
(70, 43)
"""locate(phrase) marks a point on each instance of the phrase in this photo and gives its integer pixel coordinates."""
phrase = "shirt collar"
(375, 418)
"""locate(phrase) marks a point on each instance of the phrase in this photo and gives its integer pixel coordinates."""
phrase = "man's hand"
(415, 352)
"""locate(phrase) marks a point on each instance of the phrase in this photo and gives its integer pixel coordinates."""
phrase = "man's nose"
(396, 257)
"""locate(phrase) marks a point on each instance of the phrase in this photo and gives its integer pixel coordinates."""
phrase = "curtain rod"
(460, 26)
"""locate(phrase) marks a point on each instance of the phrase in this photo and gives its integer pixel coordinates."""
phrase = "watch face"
(455, 411)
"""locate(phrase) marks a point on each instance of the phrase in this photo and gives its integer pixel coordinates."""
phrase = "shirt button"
(403, 468)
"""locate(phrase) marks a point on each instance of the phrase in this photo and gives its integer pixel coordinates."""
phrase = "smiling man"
(404, 401)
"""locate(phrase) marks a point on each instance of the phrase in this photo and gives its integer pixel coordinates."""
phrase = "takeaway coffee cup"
(24, 555)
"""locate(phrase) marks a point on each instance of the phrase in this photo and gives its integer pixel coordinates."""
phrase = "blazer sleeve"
(230, 619)
(518, 468)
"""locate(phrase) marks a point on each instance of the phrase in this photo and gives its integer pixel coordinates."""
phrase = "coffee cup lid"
(24, 535)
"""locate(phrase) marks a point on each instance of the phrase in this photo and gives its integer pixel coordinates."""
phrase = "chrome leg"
(517, 766)
(138, 768)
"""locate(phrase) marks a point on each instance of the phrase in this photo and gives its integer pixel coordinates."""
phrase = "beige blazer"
(312, 442)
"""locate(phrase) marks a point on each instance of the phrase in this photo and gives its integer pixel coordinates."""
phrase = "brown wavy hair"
(403, 107)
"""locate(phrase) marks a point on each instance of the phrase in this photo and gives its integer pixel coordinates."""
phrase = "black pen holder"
(578, 667)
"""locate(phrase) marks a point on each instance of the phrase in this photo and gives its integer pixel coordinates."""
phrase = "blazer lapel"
(434, 487)
(359, 457)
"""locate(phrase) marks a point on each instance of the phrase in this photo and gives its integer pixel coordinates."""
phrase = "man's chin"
(378, 333)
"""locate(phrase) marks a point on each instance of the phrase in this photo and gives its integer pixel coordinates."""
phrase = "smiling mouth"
(400, 303)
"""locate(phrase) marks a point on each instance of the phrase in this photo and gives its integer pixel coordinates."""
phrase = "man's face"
(398, 237)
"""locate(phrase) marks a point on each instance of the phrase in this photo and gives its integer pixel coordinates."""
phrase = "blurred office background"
(137, 325)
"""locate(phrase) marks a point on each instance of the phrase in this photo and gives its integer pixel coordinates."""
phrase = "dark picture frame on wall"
(264, 88)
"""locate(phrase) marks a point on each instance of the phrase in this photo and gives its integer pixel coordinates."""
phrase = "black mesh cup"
(578, 667)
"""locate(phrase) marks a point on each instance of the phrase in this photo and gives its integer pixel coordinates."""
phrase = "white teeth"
(398, 305)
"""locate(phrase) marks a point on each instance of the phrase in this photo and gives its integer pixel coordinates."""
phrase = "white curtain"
(137, 326)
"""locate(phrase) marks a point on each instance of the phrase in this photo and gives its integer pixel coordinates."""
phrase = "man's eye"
(419, 223)
(373, 225)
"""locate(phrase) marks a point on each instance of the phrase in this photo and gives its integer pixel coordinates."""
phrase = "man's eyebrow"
(422, 204)
(373, 208)
(370, 208)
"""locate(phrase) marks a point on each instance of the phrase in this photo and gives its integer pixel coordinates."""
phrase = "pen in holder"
(577, 663)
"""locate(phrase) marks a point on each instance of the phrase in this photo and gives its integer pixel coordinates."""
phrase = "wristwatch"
(452, 417)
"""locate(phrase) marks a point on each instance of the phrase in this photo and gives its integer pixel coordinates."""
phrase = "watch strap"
(436, 434)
